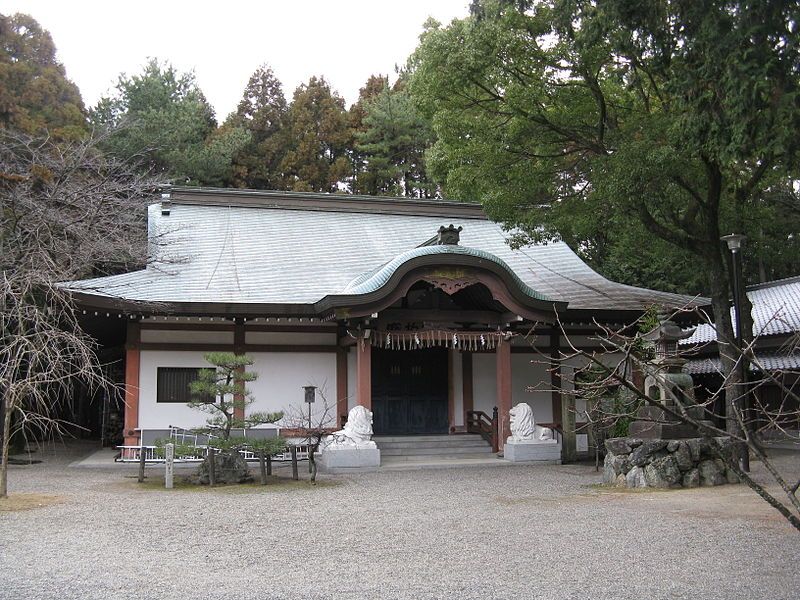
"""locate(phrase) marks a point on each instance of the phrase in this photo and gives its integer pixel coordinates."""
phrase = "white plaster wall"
(289, 338)
(484, 383)
(458, 389)
(157, 336)
(527, 373)
(282, 375)
(153, 415)
(524, 374)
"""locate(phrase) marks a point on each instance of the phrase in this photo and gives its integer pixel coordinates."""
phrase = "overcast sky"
(224, 42)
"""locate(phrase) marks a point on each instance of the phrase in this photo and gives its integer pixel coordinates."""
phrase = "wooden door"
(409, 391)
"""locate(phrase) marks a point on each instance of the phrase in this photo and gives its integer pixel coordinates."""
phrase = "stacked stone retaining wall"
(636, 463)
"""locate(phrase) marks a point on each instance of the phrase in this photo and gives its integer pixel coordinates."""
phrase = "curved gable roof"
(376, 278)
(229, 248)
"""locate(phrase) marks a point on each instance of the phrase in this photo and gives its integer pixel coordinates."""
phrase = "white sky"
(224, 42)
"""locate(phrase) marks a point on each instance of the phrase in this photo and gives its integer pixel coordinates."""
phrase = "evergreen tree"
(610, 127)
(375, 85)
(317, 158)
(679, 117)
(262, 112)
(35, 94)
(392, 145)
(162, 117)
(222, 393)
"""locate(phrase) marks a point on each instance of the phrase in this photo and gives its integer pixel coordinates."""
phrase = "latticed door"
(409, 391)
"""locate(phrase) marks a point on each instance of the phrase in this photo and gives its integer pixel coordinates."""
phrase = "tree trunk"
(312, 464)
(718, 282)
(262, 464)
(5, 444)
(212, 468)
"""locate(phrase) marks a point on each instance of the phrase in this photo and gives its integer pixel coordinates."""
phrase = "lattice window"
(173, 384)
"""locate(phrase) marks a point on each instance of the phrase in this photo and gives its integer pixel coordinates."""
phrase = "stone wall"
(634, 463)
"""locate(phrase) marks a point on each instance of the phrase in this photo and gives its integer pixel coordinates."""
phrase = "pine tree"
(163, 117)
(392, 146)
(222, 393)
(375, 85)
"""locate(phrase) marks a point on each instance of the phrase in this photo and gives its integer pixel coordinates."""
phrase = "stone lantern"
(664, 381)
(661, 451)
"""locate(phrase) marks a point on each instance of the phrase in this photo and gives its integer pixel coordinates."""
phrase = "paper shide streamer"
(429, 338)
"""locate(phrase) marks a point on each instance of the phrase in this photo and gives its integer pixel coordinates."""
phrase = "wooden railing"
(480, 423)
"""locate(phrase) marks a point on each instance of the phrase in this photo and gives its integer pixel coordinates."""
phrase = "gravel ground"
(512, 532)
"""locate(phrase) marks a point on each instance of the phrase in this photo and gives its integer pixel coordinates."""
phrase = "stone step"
(425, 438)
(438, 458)
(471, 443)
(441, 451)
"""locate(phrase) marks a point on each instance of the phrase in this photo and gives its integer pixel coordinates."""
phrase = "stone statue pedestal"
(351, 448)
(548, 451)
(653, 423)
(349, 459)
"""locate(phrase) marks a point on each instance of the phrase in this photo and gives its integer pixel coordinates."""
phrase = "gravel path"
(513, 532)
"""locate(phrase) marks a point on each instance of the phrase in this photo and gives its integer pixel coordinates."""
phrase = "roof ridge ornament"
(449, 236)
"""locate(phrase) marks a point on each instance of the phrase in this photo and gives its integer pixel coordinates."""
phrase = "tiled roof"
(770, 361)
(776, 311)
(376, 278)
(268, 251)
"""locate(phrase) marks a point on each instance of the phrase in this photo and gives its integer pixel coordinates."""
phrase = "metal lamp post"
(734, 242)
(310, 397)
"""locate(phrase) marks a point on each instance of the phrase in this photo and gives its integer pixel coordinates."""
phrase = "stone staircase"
(433, 448)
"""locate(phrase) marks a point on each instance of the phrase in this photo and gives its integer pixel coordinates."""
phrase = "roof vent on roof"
(166, 203)
(448, 235)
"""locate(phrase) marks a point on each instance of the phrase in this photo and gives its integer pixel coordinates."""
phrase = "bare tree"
(312, 429)
(67, 212)
(753, 417)
(43, 350)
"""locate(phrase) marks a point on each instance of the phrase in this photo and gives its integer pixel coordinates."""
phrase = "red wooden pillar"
(466, 382)
(364, 373)
(503, 355)
(238, 349)
(132, 365)
(341, 385)
(452, 355)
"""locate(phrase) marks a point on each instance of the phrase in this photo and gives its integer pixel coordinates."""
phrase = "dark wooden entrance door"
(409, 391)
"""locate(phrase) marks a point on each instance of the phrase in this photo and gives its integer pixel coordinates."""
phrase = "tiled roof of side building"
(768, 361)
(275, 248)
(776, 311)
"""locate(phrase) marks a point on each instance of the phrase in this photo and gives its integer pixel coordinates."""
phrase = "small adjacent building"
(419, 310)
(776, 370)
